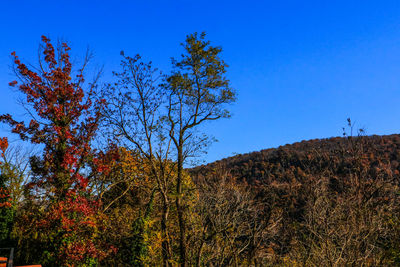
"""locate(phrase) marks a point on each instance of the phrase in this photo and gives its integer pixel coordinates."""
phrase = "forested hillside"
(312, 157)
(325, 202)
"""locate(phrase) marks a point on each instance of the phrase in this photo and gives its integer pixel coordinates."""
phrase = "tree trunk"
(166, 250)
(180, 210)
(199, 253)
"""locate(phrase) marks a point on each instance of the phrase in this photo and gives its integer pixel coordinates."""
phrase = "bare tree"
(346, 222)
(16, 168)
(133, 114)
(233, 228)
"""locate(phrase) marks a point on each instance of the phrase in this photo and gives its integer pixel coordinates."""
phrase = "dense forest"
(326, 202)
(311, 157)
(107, 184)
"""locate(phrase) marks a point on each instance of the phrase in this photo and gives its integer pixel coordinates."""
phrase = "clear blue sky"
(300, 67)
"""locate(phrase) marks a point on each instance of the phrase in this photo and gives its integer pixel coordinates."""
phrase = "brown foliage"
(337, 198)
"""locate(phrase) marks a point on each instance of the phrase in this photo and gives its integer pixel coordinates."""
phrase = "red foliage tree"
(6, 209)
(65, 121)
(5, 200)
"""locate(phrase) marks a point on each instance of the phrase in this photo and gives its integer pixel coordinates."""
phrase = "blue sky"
(300, 67)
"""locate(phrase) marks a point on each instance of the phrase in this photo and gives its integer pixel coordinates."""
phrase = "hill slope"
(312, 156)
(321, 200)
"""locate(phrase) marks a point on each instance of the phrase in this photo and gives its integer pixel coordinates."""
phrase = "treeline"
(311, 156)
(107, 184)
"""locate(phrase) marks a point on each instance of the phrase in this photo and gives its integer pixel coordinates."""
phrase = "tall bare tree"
(133, 113)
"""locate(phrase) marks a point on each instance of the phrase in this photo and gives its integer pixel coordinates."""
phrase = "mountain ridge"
(379, 144)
